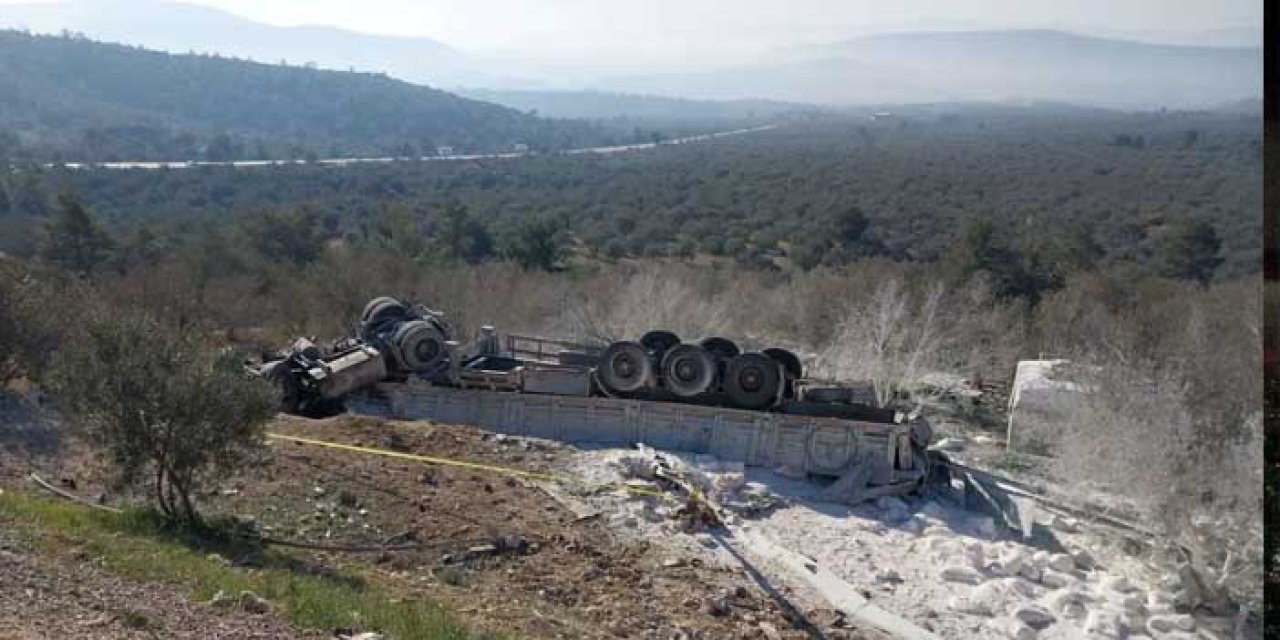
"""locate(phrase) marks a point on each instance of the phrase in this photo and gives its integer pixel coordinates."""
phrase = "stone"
(975, 555)
(1118, 584)
(1062, 562)
(1014, 629)
(964, 575)
(368, 635)
(1040, 559)
(1064, 524)
(1031, 572)
(1161, 602)
(1134, 602)
(718, 606)
(963, 604)
(1060, 600)
(891, 503)
(1013, 562)
(1084, 560)
(1132, 621)
(1074, 611)
(1024, 588)
(1054, 579)
(253, 603)
(912, 525)
(939, 544)
(982, 526)
(1034, 616)
(990, 597)
(1103, 623)
(889, 576)
(769, 631)
(933, 510)
(1169, 624)
(221, 600)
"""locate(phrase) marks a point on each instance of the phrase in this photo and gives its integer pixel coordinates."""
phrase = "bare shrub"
(1172, 419)
(625, 303)
(895, 335)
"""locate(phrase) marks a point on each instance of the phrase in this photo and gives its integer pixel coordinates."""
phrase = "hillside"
(902, 187)
(984, 65)
(179, 27)
(600, 105)
(75, 99)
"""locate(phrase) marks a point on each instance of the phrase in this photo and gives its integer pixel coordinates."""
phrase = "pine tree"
(74, 240)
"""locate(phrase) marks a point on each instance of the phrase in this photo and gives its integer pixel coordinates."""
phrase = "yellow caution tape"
(449, 462)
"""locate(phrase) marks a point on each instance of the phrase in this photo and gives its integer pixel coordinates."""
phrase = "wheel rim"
(753, 381)
(624, 368)
(688, 370)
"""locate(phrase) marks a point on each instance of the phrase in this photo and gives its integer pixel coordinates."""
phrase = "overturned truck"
(707, 396)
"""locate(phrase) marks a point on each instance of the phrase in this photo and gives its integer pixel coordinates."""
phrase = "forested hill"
(74, 99)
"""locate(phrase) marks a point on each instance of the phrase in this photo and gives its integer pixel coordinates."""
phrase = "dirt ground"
(500, 551)
(72, 597)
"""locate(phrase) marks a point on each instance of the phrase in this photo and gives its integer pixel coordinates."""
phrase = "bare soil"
(72, 597)
(498, 550)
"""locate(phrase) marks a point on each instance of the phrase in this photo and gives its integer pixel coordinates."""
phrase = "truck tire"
(828, 395)
(790, 361)
(658, 342)
(625, 367)
(419, 346)
(288, 390)
(688, 370)
(376, 304)
(791, 368)
(753, 381)
(720, 348)
(379, 315)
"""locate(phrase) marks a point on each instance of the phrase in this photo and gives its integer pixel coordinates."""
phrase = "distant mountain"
(984, 65)
(181, 28)
(81, 99)
(599, 105)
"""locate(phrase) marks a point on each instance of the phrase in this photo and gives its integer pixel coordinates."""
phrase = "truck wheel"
(720, 348)
(419, 346)
(625, 367)
(379, 313)
(688, 370)
(288, 391)
(790, 362)
(791, 367)
(376, 304)
(658, 342)
(828, 395)
(753, 381)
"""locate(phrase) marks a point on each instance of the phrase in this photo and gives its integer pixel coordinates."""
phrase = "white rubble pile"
(945, 568)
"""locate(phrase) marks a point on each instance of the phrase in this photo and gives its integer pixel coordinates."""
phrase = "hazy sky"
(493, 23)
(674, 29)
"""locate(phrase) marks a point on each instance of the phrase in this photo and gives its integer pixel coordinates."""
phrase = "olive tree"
(167, 408)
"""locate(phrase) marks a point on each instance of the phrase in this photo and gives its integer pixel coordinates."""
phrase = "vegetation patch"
(142, 545)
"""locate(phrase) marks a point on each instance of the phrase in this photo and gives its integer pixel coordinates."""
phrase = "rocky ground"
(597, 556)
(946, 569)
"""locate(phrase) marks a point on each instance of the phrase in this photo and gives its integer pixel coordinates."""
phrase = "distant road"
(341, 162)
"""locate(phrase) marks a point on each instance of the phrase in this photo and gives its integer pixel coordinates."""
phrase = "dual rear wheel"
(753, 380)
